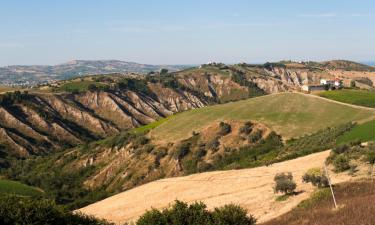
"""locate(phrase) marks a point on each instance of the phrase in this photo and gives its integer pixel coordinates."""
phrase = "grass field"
(79, 86)
(363, 132)
(289, 114)
(13, 187)
(355, 97)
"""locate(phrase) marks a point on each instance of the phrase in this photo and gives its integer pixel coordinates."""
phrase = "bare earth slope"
(250, 188)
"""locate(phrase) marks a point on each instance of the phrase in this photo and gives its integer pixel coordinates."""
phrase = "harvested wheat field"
(250, 188)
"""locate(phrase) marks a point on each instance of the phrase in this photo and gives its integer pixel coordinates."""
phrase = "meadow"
(289, 114)
(363, 132)
(351, 96)
(13, 187)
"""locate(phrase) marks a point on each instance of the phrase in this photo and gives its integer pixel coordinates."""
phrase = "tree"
(284, 183)
(316, 177)
(163, 71)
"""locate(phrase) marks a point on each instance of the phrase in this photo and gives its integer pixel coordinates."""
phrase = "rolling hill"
(250, 188)
(16, 188)
(289, 114)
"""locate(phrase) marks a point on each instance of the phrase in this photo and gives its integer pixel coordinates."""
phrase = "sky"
(185, 31)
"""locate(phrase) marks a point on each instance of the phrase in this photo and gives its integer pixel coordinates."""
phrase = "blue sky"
(185, 31)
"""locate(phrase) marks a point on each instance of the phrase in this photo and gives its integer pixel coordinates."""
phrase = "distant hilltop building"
(325, 84)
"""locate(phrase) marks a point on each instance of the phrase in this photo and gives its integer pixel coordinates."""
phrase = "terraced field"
(13, 187)
(289, 114)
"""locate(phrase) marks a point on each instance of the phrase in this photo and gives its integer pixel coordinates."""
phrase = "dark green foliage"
(196, 214)
(284, 183)
(341, 149)
(254, 137)
(10, 98)
(182, 150)
(246, 128)
(225, 128)
(136, 85)
(26, 211)
(214, 144)
(341, 163)
(163, 72)
(232, 214)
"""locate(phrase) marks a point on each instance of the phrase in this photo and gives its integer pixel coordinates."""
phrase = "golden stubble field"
(250, 188)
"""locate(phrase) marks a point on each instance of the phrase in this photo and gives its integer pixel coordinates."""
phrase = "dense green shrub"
(26, 211)
(196, 214)
(284, 183)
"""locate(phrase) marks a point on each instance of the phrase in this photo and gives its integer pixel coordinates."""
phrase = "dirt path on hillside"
(250, 188)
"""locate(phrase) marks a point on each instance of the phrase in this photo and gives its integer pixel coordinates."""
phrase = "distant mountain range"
(36, 74)
(370, 63)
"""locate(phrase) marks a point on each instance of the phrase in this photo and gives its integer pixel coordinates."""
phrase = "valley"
(84, 139)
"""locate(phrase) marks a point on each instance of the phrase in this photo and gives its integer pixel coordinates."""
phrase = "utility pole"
(330, 185)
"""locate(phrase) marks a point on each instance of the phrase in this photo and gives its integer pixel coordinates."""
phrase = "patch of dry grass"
(356, 206)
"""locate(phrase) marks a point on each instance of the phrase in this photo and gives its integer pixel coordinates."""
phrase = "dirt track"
(250, 188)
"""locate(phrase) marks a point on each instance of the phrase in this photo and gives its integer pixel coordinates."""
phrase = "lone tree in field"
(284, 183)
(316, 177)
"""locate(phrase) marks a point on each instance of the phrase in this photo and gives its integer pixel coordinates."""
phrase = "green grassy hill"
(355, 97)
(289, 114)
(13, 187)
(363, 132)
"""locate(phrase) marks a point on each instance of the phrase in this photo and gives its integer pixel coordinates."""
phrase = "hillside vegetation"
(289, 114)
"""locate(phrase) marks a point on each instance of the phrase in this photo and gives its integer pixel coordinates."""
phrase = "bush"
(224, 128)
(256, 136)
(341, 163)
(341, 149)
(316, 177)
(182, 150)
(246, 128)
(214, 144)
(232, 214)
(284, 183)
(24, 211)
(196, 214)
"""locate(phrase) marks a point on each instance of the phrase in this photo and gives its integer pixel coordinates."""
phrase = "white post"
(330, 185)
